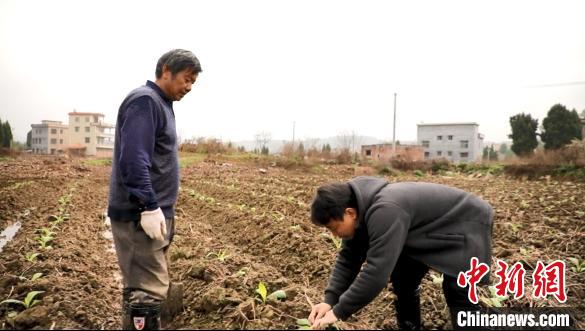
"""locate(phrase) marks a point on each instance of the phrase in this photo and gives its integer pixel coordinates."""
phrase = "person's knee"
(139, 297)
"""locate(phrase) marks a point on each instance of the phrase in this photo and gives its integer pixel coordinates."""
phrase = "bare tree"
(349, 140)
(344, 140)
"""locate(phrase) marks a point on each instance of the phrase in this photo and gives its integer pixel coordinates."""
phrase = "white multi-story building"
(49, 137)
(459, 142)
(86, 133)
(90, 131)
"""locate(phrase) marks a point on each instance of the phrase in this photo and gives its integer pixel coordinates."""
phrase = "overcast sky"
(329, 66)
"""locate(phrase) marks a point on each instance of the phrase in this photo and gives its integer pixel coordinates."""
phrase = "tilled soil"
(238, 226)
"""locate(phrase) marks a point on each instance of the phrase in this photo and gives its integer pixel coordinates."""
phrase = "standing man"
(144, 186)
(400, 230)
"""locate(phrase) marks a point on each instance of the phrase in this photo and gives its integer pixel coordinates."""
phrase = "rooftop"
(447, 124)
(82, 114)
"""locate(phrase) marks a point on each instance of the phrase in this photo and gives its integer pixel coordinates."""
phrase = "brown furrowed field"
(238, 226)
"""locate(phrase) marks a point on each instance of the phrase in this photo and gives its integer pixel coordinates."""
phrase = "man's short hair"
(178, 60)
(330, 202)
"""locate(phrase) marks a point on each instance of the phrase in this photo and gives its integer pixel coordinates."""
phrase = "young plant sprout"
(31, 256)
(274, 296)
(28, 302)
(494, 300)
(335, 241)
(578, 266)
(220, 255)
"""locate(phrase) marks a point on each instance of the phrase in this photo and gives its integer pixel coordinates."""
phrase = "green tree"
(492, 154)
(301, 150)
(1, 134)
(7, 135)
(560, 127)
(503, 149)
(523, 134)
(265, 150)
(485, 154)
(29, 139)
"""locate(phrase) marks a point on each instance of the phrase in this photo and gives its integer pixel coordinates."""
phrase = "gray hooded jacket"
(440, 226)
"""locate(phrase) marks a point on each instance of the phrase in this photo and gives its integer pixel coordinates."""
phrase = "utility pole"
(394, 130)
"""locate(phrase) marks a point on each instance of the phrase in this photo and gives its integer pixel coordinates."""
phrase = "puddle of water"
(8, 234)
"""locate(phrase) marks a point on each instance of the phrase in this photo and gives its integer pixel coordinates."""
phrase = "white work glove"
(154, 224)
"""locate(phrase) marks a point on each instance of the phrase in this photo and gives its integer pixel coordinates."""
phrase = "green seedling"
(46, 232)
(33, 278)
(261, 290)
(29, 300)
(437, 280)
(515, 227)
(274, 296)
(418, 173)
(303, 324)
(277, 295)
(494, 300)
(36, 276)
(277, 216)
(56, 219)
(242, 272)
(578, 266)
(64, 200)
(63, 213)
(220, 255)
(31, 256)
(295, 227)
(335, 241)
(44, 242)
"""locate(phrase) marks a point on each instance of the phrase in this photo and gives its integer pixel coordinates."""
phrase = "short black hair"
(331, 201)
(178, 60)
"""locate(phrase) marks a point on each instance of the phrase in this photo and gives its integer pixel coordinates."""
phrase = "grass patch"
(98, 162)
(188, 159)
(4, 158)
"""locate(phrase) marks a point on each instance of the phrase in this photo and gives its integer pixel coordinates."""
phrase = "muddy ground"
(238, 226)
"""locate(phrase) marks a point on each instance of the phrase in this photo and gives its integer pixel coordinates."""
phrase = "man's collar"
(158, 90)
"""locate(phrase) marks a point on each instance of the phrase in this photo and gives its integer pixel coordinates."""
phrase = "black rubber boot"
(408, 311)
(141, 316)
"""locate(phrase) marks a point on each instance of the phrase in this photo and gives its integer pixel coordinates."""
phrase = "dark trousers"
(406, 280)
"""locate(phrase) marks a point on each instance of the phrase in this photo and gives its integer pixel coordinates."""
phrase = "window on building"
(61, 141)
(53, 141)
(368, 152)
(425, 143)
(450, 137)
(439, 137)
(464, 143)
(439, 153)
(87, 129)
(53, 131)
(76, 119)
(464, 155)
(87, 119)
(449, 153)
(61, 131)
(427, 155)
(76, 129)
(87, 140)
